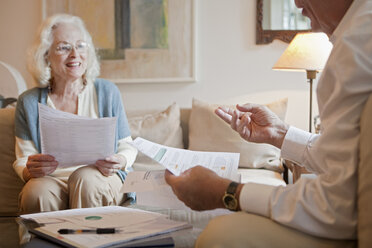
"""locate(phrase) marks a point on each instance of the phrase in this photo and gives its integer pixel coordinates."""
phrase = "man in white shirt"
(322, 207)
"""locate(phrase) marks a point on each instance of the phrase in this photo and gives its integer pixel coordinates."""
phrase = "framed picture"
(138, 41)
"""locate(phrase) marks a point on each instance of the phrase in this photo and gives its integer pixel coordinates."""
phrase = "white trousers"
(248, 230)
(86, 187)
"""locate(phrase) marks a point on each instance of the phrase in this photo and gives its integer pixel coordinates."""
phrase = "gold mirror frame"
(267, 36)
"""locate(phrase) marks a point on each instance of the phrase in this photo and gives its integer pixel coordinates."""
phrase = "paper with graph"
(177, 160)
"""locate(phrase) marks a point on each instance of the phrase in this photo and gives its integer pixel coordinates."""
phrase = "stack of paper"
(130, 224)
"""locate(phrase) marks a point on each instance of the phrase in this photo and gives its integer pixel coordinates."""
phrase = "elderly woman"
(65, 65)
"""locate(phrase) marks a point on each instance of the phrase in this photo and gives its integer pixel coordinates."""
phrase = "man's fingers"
(169, 177)
(235, 121)
(241, 125)
(223, 115)
(249, 107)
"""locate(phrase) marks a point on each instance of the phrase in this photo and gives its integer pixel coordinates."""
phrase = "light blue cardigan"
(109, 105)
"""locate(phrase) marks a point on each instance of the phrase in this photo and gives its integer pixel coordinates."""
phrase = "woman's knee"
(85, 173)
(41, 194)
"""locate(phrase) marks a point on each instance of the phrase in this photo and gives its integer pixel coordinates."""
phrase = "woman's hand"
(255, 123)
(111, 164)
(39, 165)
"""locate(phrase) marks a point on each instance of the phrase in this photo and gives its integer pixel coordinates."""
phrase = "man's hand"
(111, 164)
(39, 165)
(255, 123)
(199, 188)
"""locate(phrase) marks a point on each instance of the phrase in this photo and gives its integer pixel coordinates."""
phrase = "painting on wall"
(138, 41)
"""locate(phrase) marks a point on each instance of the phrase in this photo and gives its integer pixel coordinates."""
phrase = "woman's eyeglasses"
(64, 48)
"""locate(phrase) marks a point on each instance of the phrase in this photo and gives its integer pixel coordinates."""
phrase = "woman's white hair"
(38, 56)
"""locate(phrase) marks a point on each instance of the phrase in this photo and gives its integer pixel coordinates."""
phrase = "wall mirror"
(279, 19)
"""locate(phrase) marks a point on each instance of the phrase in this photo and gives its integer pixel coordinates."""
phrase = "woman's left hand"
(111, 164)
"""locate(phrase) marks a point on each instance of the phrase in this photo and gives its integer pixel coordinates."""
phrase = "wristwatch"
(229, 199)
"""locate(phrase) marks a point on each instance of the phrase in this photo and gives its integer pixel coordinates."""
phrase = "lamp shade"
(307, 51)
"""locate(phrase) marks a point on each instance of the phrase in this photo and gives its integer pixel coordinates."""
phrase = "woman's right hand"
(39, 165)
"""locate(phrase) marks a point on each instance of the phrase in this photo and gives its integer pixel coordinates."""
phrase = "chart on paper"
(177, 160)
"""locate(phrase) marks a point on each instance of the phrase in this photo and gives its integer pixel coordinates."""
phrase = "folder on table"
(137, 228)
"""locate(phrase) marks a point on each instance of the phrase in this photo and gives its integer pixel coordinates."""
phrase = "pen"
(81, 231)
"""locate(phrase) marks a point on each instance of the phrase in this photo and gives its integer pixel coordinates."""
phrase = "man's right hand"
(255, 123)
(39, 165)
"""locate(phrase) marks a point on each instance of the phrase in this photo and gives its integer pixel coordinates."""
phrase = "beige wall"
(19, 20)
(229, 63)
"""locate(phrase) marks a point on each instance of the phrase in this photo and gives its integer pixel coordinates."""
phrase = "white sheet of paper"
(177, 160)
(131, 223)
(140, 181)
(151, 189)
(75, 140)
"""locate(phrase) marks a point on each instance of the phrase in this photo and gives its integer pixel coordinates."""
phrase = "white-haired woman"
(64, 63)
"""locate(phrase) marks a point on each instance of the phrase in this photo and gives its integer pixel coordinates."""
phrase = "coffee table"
(10, 229)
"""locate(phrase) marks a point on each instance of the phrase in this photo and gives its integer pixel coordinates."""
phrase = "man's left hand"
(199, 188)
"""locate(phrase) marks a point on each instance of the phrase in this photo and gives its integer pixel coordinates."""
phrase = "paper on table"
(177, 160)
(131, 223)
(75, 140)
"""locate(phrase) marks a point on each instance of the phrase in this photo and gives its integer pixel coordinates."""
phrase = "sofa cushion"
(160, 127)
(10, 183)
(364, 178)
(207, 132)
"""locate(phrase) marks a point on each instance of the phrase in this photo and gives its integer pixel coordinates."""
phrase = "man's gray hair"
(38, 62)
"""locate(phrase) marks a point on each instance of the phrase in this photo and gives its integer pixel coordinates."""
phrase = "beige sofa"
(10, 184)
(169, 127)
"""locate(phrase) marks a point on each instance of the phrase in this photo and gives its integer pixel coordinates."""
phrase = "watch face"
(230, 202)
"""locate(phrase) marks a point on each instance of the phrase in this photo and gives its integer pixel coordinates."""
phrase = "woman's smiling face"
(68, 53)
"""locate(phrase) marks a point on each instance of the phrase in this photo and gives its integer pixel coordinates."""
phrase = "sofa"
(189, 128)
(170, 127)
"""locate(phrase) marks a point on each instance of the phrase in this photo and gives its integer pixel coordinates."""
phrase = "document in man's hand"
(129, 224)
(176, 160)
(75, 140)
(150, 186)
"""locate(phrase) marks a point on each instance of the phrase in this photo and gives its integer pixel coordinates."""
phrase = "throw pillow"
(207, 132)
(160, 127)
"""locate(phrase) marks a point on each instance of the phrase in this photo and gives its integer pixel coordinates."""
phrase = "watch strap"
(231, 189)
(229, 199)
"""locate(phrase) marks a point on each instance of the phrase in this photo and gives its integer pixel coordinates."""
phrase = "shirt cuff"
(294, 144)
(255, 198)
(128, 151)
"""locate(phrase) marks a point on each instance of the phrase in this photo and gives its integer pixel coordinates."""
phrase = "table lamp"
(306, 52)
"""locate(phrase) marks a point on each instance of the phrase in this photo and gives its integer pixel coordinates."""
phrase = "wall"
(19, 21)
(229, 63)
